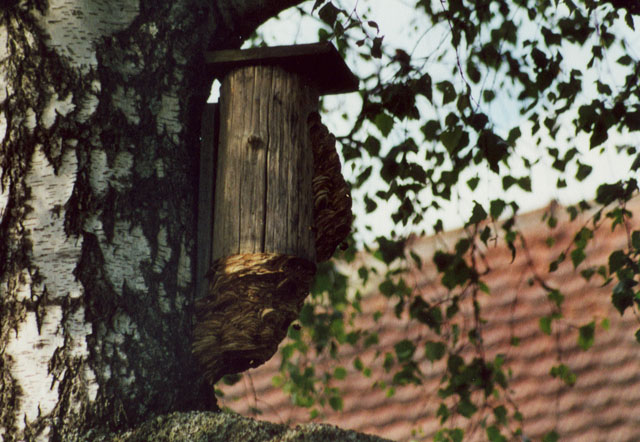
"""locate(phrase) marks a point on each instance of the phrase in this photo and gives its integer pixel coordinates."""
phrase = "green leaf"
(376, 48)
(369, 204)
(318, 3)
(500, 412)
(478, 214)
(625, 60)
(518, 416)
(336, 403)
(423, 86)
(628, 18)
(409, 374)
(508, 181)
(488, 95)
(514, 134)
(473, 183)
(577, 256)
(384, 122)
(539, 58)
(448, 91)
(583, 172)
(604, 88)
(431, 129)
(556, 297)
(443, 260)
(287, 352)
(371, 340)
(478, 121)
(564, 373)
(278, 381)
(329, 14)
(551, 436)
(545, 324)
(638, 335)
(456, 435)
(623, 295)
(339, 373)
(399, 100)
(389, 362)
(449, 435)
(466, 408)
(451, 138)
(497, 207)
(599, 134)
(494, 435)
(453, 309)
(443, 413)
(525, 183)
(372, 146)
(416, 259)
(617, 260)
(635, 240)
(493, 148)
(485, 235)
(404, 350)
(553, 266)
(462, 246)
(587, 335)
(323, 34)
(390, 250)
(473, 72)
(434, 351)
(608, 193)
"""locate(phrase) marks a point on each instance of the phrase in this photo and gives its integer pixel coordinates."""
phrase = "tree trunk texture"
(263, 199)
(100, 106)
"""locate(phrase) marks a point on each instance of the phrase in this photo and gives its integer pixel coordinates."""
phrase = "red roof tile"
(603, 404)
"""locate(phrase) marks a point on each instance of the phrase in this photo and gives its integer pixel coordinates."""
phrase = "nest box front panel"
(265, 164)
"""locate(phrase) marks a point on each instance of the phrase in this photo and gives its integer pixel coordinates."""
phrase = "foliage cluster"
(425, 121)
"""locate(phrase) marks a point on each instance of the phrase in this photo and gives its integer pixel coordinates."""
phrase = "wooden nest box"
(272, 201)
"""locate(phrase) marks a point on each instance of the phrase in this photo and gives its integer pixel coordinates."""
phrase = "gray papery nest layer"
(331, 195)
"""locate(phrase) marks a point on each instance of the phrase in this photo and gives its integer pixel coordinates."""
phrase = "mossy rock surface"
(200, 426)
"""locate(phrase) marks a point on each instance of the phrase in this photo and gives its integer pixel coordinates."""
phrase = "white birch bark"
(99, 115)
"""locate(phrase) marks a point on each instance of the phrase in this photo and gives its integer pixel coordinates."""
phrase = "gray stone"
(199, 426)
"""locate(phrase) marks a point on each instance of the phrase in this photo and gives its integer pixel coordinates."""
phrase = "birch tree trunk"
(100, 106)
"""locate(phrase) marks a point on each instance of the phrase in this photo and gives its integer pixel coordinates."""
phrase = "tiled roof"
(604, 403)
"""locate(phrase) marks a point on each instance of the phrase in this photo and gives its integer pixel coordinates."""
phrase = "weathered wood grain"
(263, 197)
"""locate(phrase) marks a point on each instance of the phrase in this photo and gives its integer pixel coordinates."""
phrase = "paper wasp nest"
(331, 195)
(252, 300)
(254, 297)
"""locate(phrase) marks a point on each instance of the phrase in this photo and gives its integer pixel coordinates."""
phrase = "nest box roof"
(319, 62)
